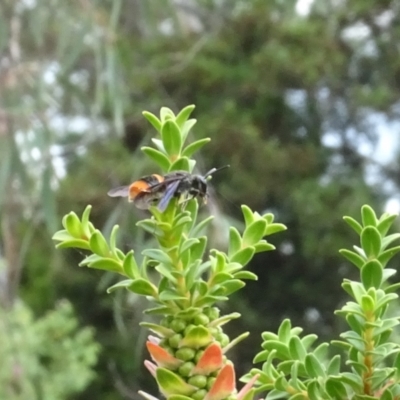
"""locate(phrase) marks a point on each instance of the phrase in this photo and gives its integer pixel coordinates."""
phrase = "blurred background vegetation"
(301, 98)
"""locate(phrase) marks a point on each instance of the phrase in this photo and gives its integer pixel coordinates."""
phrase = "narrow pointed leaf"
(194, 147)
(153, 120)
(143, 287)
(158, 157)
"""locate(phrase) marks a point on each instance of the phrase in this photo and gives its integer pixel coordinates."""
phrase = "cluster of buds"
(189, 361)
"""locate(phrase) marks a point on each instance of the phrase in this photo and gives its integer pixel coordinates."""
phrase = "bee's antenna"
(214, 170)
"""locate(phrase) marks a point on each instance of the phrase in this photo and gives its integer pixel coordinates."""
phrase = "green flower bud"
(199, 395)
(185, 369)
(188, 328)
(174, 340)
(224, 339)
(199, 381)
(185, 354)
(201, 319)
(210, 382)
(213, 313)
(178, 325)
(215, 331)
(165, 322)
(198, 356)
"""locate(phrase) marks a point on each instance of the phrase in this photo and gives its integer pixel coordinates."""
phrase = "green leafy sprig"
(190, 280)
(293, 369)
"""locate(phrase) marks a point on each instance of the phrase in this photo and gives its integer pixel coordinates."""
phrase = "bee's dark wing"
(169, 193)
(121, 191)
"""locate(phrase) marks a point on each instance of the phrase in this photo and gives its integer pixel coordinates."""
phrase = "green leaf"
(355, 322)
(313, 391)
(194, 147)
(371, 241)
(284, 331)
(353, 224)
(296, 348)
(73, 226)
(153, 120)
(224, 319)
(281, 384)
(166, 272)
(158, 157)
(262, 246)
(254, 232)
(367, 303)
(334, 365)
(246, 275)
(353, 257)
(169, 295)
(187, 244)
(335, 388)
(233, 286)
(243, 256)
(201, 226)
(166, 114)
(98, 244)
(218, 261)
(184, 114)
(387, 395)
(197, 251)
(384, 300)
(176, 397)
(162, 310)
(313, 367)
(308, 340)
(74, 243)
(321, 351)
(172, 384)
(187, 126)
(275, 394)
(393, 288)
(171, 137)
(107, 264)
(123, 284)
(143, 287)
(159, 144)
(130, 267)
(158, 329)
(368, 216)
(220, 277)
(181, 164)
(385, 223)
(354, 339)
(235, 241)
(353, 380)
(198, 336)
(157, 255)
(282, 350)
(113, 240)
(270, 229)
(248, 215)
(386, 324)
(386, 255)
(389, 239)
(371, 274)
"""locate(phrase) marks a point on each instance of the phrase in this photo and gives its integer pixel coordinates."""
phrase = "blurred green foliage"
(48, 358)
